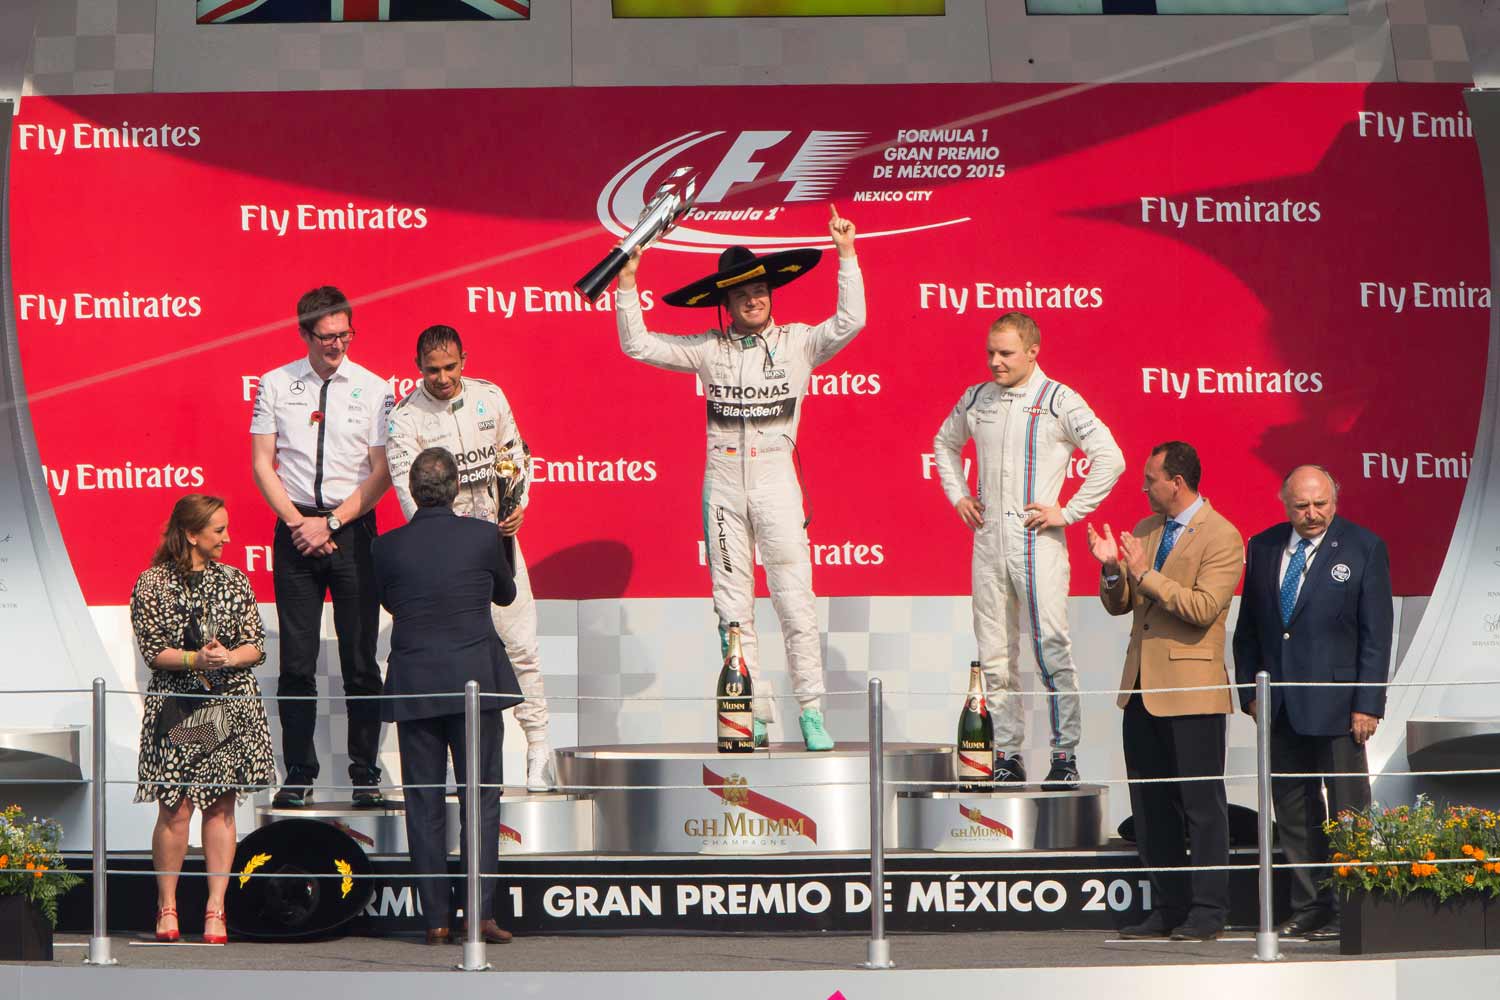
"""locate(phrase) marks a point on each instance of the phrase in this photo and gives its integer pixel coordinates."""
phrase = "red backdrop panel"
(1277, 274)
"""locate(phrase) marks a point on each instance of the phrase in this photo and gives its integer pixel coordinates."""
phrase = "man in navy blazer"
(438, 575)
(1316, 607)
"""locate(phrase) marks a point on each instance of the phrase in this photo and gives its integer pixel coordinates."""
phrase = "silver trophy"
(511, 473)
(674, 197)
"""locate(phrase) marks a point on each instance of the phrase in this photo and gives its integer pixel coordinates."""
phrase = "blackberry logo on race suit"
(724, 412)
(812, 163)
(477, 465)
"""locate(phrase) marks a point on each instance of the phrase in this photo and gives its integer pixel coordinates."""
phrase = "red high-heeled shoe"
(174, 933)
(214, 938)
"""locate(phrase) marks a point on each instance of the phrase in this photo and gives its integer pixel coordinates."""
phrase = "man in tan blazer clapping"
(1176, 572)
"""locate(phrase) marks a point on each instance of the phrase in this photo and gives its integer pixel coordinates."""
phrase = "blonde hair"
(1024, 326)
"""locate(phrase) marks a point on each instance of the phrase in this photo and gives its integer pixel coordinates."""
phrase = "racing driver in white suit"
(1026, 428)
(472, 419)
(754, 372)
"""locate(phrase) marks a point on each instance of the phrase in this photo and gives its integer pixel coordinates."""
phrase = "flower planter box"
(1375, 923)
(25, 934)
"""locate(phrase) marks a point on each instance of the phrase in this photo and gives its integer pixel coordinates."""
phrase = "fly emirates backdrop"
(1277, 274)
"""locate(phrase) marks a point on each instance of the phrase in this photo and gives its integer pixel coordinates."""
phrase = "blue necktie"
(1289, 582)
(1168, 539)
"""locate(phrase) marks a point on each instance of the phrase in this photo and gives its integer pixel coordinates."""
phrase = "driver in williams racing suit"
(1025, 429)
(472, 419)
(754, 373)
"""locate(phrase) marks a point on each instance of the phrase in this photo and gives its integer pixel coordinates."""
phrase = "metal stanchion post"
(474, 957)
(878, 955)
(1267, 945)
(99, 940)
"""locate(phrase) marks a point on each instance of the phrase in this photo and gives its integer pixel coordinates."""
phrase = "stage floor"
(693, 953)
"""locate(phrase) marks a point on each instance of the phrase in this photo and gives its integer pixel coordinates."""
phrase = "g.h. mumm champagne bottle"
(736, 719)
(976, 737)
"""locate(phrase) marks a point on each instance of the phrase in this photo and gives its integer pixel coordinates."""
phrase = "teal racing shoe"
(813, 733)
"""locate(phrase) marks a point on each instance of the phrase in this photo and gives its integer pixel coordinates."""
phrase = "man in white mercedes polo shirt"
(318, 455)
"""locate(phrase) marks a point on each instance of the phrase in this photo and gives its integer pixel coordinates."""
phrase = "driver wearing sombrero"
(754, 373)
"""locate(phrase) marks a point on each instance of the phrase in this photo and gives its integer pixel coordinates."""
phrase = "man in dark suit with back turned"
(438, 575)
(1316, 607)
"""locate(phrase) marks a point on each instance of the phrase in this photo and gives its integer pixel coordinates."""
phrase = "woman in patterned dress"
(198, 628)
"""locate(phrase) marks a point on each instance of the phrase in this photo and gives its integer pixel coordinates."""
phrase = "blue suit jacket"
(438, 576)
(1340, 628)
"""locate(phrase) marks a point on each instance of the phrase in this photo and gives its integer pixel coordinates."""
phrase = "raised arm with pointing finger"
(754, 373)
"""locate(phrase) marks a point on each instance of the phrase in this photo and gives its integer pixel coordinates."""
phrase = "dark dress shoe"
(437, 935)
(1331, 931)
(1158, 924)
(1199, 930)
(490, 931)
(1305, 924)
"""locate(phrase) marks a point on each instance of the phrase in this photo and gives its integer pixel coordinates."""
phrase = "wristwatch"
(334, 524)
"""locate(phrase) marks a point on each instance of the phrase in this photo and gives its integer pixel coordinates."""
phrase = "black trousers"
(1175, 820)
(1300, 810)
(348, 573)
(425, 746)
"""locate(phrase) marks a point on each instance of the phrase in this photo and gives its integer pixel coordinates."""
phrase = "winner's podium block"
(688, 798)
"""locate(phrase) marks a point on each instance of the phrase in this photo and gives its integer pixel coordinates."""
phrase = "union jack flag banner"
(284, 11)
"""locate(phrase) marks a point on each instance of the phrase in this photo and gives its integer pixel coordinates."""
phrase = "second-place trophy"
(511, 473)
(674, 197)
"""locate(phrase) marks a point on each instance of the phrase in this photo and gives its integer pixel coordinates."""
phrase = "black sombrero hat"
(274, 892)
(738, 266)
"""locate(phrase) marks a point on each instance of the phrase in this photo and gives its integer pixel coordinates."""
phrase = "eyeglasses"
(328, 338)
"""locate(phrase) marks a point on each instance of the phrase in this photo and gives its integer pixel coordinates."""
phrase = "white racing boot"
(541, 769)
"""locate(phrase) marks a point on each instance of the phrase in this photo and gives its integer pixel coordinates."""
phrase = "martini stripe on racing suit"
(1024, 461)
(478, 427)
(752, 500)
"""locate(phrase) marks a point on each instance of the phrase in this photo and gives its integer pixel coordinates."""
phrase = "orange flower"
(1479, 853)
(1371, 869)
(1343, 871)
(30, 866)
(4, 860)
(1469, 879)
(1467, 849)
(1431, 856)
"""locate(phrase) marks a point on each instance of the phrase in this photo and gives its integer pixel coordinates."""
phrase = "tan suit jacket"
(1177, 637)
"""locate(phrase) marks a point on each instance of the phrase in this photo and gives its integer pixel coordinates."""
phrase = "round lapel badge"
(1340, 573)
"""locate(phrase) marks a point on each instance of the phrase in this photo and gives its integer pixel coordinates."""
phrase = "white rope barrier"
(787, 696)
